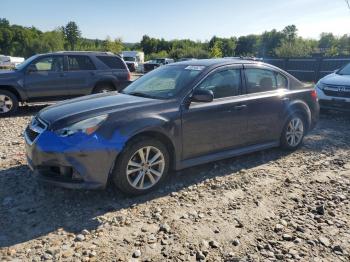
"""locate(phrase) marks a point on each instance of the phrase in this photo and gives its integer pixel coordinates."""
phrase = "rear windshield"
(112, 62)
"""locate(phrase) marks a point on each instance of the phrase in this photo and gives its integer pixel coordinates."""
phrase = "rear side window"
(80, 62)
(112, 62)
(260, 80)
(282, 81)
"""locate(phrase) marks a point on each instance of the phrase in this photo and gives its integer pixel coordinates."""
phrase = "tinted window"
(80, 62)
(224, 83)
(282, 81)
(112, 62)
(260, 80)
(49, 63)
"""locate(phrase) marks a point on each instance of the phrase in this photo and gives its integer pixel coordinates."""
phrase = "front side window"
(80, 62)
(49, 63)
(260, 80)
(223, 83)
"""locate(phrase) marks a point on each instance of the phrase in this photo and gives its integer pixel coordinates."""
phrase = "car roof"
(81, 53)
(215, 62)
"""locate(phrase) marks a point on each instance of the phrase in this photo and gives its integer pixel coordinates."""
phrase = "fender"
(19, 92)
(160, 127)
(298, 106)
(112, 79)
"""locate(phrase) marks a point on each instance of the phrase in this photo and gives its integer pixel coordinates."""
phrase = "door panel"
(217, 125)
(212, 127)
(265, 104)
(264, 117)
(80, 75)
(44, 78)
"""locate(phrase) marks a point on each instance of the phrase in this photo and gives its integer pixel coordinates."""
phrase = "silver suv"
(333, 90)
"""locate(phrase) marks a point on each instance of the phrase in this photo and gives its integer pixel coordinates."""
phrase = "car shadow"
(31, 209)
(29, 110)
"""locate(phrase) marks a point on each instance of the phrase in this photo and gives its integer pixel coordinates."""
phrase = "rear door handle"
(240, 107)
(285, 99)
(62, 74)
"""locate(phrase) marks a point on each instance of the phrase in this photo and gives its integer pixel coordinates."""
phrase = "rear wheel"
(103, 88)
(293, 132)
(8, 103)
(142, 166)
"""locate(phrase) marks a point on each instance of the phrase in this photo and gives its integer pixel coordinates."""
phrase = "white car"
(333, 90)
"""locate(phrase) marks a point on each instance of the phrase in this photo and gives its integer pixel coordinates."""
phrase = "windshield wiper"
(140, 94)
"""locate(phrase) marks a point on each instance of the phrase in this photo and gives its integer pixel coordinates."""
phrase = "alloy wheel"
(145, 167)
(295, 132)
(6, 104)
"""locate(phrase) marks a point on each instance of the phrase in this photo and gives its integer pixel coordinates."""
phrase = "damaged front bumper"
(79, 161)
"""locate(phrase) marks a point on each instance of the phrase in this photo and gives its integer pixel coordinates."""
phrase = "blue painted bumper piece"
(77, 161)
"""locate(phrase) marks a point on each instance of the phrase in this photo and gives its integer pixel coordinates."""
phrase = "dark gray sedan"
(177, 116)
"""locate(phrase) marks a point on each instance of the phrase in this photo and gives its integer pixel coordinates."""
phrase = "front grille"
(31, 134)
(337, 91)
(34, 129)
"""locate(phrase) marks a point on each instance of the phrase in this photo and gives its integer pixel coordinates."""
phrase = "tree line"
(16, 40)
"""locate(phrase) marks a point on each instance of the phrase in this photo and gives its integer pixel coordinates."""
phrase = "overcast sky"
(170, 19)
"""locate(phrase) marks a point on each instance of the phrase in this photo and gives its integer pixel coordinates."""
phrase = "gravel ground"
(265, 206)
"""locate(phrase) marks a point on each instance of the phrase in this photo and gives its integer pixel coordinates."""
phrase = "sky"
(180, 19)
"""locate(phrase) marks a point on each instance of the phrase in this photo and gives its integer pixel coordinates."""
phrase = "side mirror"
(31, 68)
(202, 95)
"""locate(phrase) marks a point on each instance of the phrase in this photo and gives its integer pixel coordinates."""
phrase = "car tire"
(103, 88)
(135, 174)
(8, 103)
(293, 132)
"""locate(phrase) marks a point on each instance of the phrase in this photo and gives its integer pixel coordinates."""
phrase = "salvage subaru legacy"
(177, 116)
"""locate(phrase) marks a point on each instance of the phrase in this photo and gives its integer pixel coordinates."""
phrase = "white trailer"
(137, 55)
(10, 61)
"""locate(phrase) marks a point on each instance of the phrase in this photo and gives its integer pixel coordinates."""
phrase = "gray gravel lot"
(267, 206)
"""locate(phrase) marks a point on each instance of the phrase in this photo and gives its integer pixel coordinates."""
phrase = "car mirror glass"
(202, 95)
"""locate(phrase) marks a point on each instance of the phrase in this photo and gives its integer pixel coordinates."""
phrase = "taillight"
(314, 94)
(129, 76)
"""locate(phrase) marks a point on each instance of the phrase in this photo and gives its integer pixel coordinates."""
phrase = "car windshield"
(131, 59)
(159, 61)
(26, 62)
(164, 83)
(345, 70)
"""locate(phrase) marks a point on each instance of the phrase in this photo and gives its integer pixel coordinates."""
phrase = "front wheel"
(142, 166)
(8, 103)
(293, 132)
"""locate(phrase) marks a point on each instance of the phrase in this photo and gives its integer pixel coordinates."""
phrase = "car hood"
(74, 110)
(8, 74)
(335, 79)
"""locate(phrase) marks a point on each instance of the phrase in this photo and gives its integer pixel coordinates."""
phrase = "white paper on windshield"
(196, 68)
